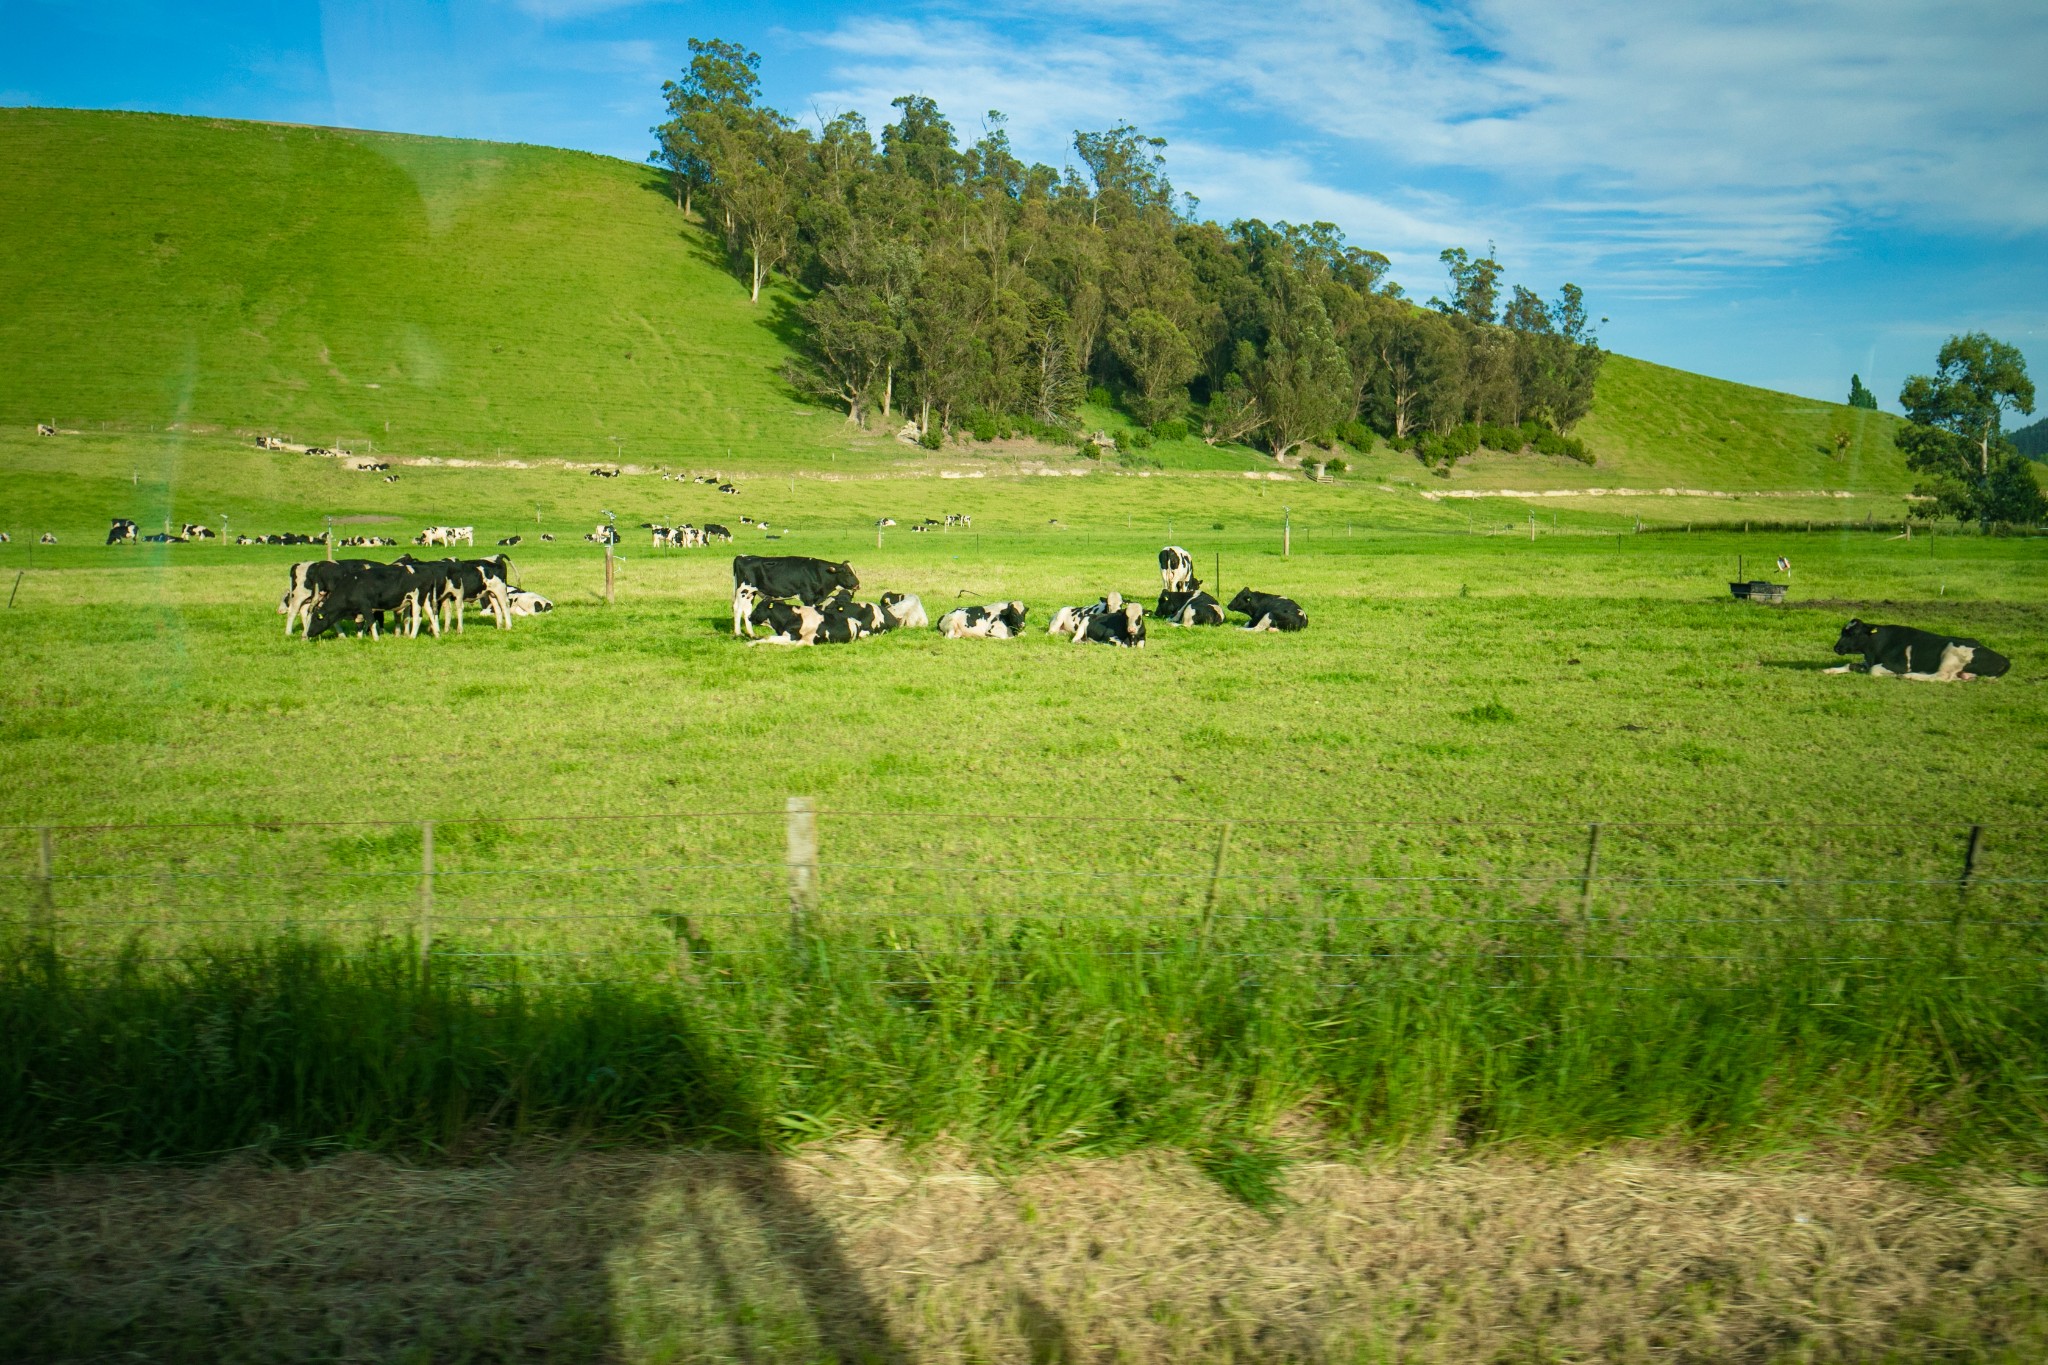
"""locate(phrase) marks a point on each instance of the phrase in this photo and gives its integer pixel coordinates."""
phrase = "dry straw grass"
(860, 1252)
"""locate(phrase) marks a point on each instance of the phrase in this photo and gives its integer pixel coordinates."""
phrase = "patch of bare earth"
(863, 1253)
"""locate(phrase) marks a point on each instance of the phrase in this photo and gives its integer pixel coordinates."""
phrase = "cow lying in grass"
(1068, 620)
(1125, 627)
(1917, 655)
(1191, 608)
(996, 621)
(1269, 612)
(838, 620)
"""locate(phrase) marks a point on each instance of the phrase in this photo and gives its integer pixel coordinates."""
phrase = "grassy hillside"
(429, 295)
(440, 297)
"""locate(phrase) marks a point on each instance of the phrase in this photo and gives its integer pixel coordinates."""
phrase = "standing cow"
(780, 577)
(1177, 570)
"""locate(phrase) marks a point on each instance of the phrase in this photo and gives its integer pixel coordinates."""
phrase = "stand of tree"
(1954, 436)
(960, 287)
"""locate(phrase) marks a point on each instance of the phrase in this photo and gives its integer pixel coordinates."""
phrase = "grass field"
(1268, 901)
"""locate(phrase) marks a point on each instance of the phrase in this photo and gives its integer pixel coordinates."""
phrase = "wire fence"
(718, 897)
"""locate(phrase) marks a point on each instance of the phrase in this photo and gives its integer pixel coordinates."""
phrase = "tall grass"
(1020, 1037)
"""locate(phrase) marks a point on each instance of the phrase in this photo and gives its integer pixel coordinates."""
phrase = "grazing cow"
(445, 585)
(546, 538)
(1125, 627)
(1269, 612)
(45, 429)
(958, 519)
(1918, 655)
(808, 580)
(1177, 570)
(122, 532)
(520, 602)
(49, 538)
(1191, 608)
(509, 540)
(996, 621)
(311, 578)
(713, 531)
(364, 595)
(192, 530)
(446, 535)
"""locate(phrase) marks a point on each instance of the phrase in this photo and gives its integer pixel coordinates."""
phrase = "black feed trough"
(1759, 590)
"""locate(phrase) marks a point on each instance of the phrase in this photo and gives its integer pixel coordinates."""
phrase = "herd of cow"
(324, 595)
(825, 611)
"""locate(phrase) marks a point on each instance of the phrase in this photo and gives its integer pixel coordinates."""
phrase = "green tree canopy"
(1953, 435)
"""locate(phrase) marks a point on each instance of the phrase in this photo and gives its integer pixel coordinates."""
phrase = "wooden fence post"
(1216, 880)
(1592, 870)
(1286, 533)
(607, 574)
(46, 864)
(1976, 846)
(801, 853)
(426, 932)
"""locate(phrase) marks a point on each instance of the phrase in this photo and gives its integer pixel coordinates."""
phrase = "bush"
(1101, 397)
(1139, 439)
(984, 426)
(1336, 466)
(1172, 429)
(1508, 439)
(932, 438)
(1570, 447)
(1358, 436)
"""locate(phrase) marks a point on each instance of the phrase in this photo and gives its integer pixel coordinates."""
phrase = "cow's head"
(1856, 638)
(1243, 601)
(844, 576)
(1134, 621)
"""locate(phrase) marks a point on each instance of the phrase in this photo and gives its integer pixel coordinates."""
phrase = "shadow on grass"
(453, 1258)
(1796, 665)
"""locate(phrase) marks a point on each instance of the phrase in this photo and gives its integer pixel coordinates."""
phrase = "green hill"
(439, 297)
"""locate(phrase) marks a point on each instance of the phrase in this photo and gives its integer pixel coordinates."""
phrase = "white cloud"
(1647, 143)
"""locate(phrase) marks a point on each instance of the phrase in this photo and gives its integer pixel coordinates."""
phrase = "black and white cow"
(1269, 612)
(310, 579)
(782, 577)
(546, 538)
(1918, 655)
(509, 540)
(713, 531)
(520, 602)
(364, 595)
(1190, 608)
(728, 488)
(122, 532)
(832, 623)
(1177, 570)
(45, 429)
(996, 621)
(1068, 620)
(1125, 627)
(48, 538)
(604, 473)
(958, 519)
(192, 530)
(605, 534)
(902, 610)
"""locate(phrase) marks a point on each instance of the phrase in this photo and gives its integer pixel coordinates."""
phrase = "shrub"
(1358, 436)
(1508, 439)
(932, 438)
(1101, 397)
(1172, 429)
(984, 426)
(1570, 447)
(1139, 439)
(1336, 466)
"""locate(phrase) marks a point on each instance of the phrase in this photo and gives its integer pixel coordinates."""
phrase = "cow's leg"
(1845, 668)
(1880, 671)
(1954, 659)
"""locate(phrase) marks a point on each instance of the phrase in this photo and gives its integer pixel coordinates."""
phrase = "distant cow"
(713, 531)
(1918, 655)
(727, 488)
(604, 473)
(1269, 612)
(1125, 627)
(509, 540)
(958, 519)
(808, 580)
(192, 530)
(45, 429)
(604, 534)
(446, 535)
(1191, 608)
(1177, 570)
(122, 532)
(48, 538)
(520, 602)
(996, 621)
(546, 539)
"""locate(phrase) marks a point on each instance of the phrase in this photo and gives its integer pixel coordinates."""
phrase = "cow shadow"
(1796, 665)
(543, 1253)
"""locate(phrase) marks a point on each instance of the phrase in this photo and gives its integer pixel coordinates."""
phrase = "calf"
(1191, 608)
(1177, 570)
(808, 580)
(1125, 627)
(122, 532)
(996, 621)
(1269, 612)
(1918, 655)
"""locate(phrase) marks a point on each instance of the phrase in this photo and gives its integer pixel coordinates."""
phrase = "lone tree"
(1860, 397)
(1953, 434)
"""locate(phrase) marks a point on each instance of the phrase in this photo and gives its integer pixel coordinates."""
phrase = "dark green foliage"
(1860, 397)
(1448, 447)
(984, 426)
(932, 437)
(1570, 447)
(1173, 429)
(1953, 435)
(1138, 438)
(1101, 397)
(1357, 435)
(1100, 1037)
(1508, 439)
(1335, 465)
(2032, 441)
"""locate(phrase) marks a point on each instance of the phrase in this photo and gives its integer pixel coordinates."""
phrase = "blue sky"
(1777, 192)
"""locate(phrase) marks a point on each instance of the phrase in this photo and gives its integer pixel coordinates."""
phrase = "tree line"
(959, 287)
